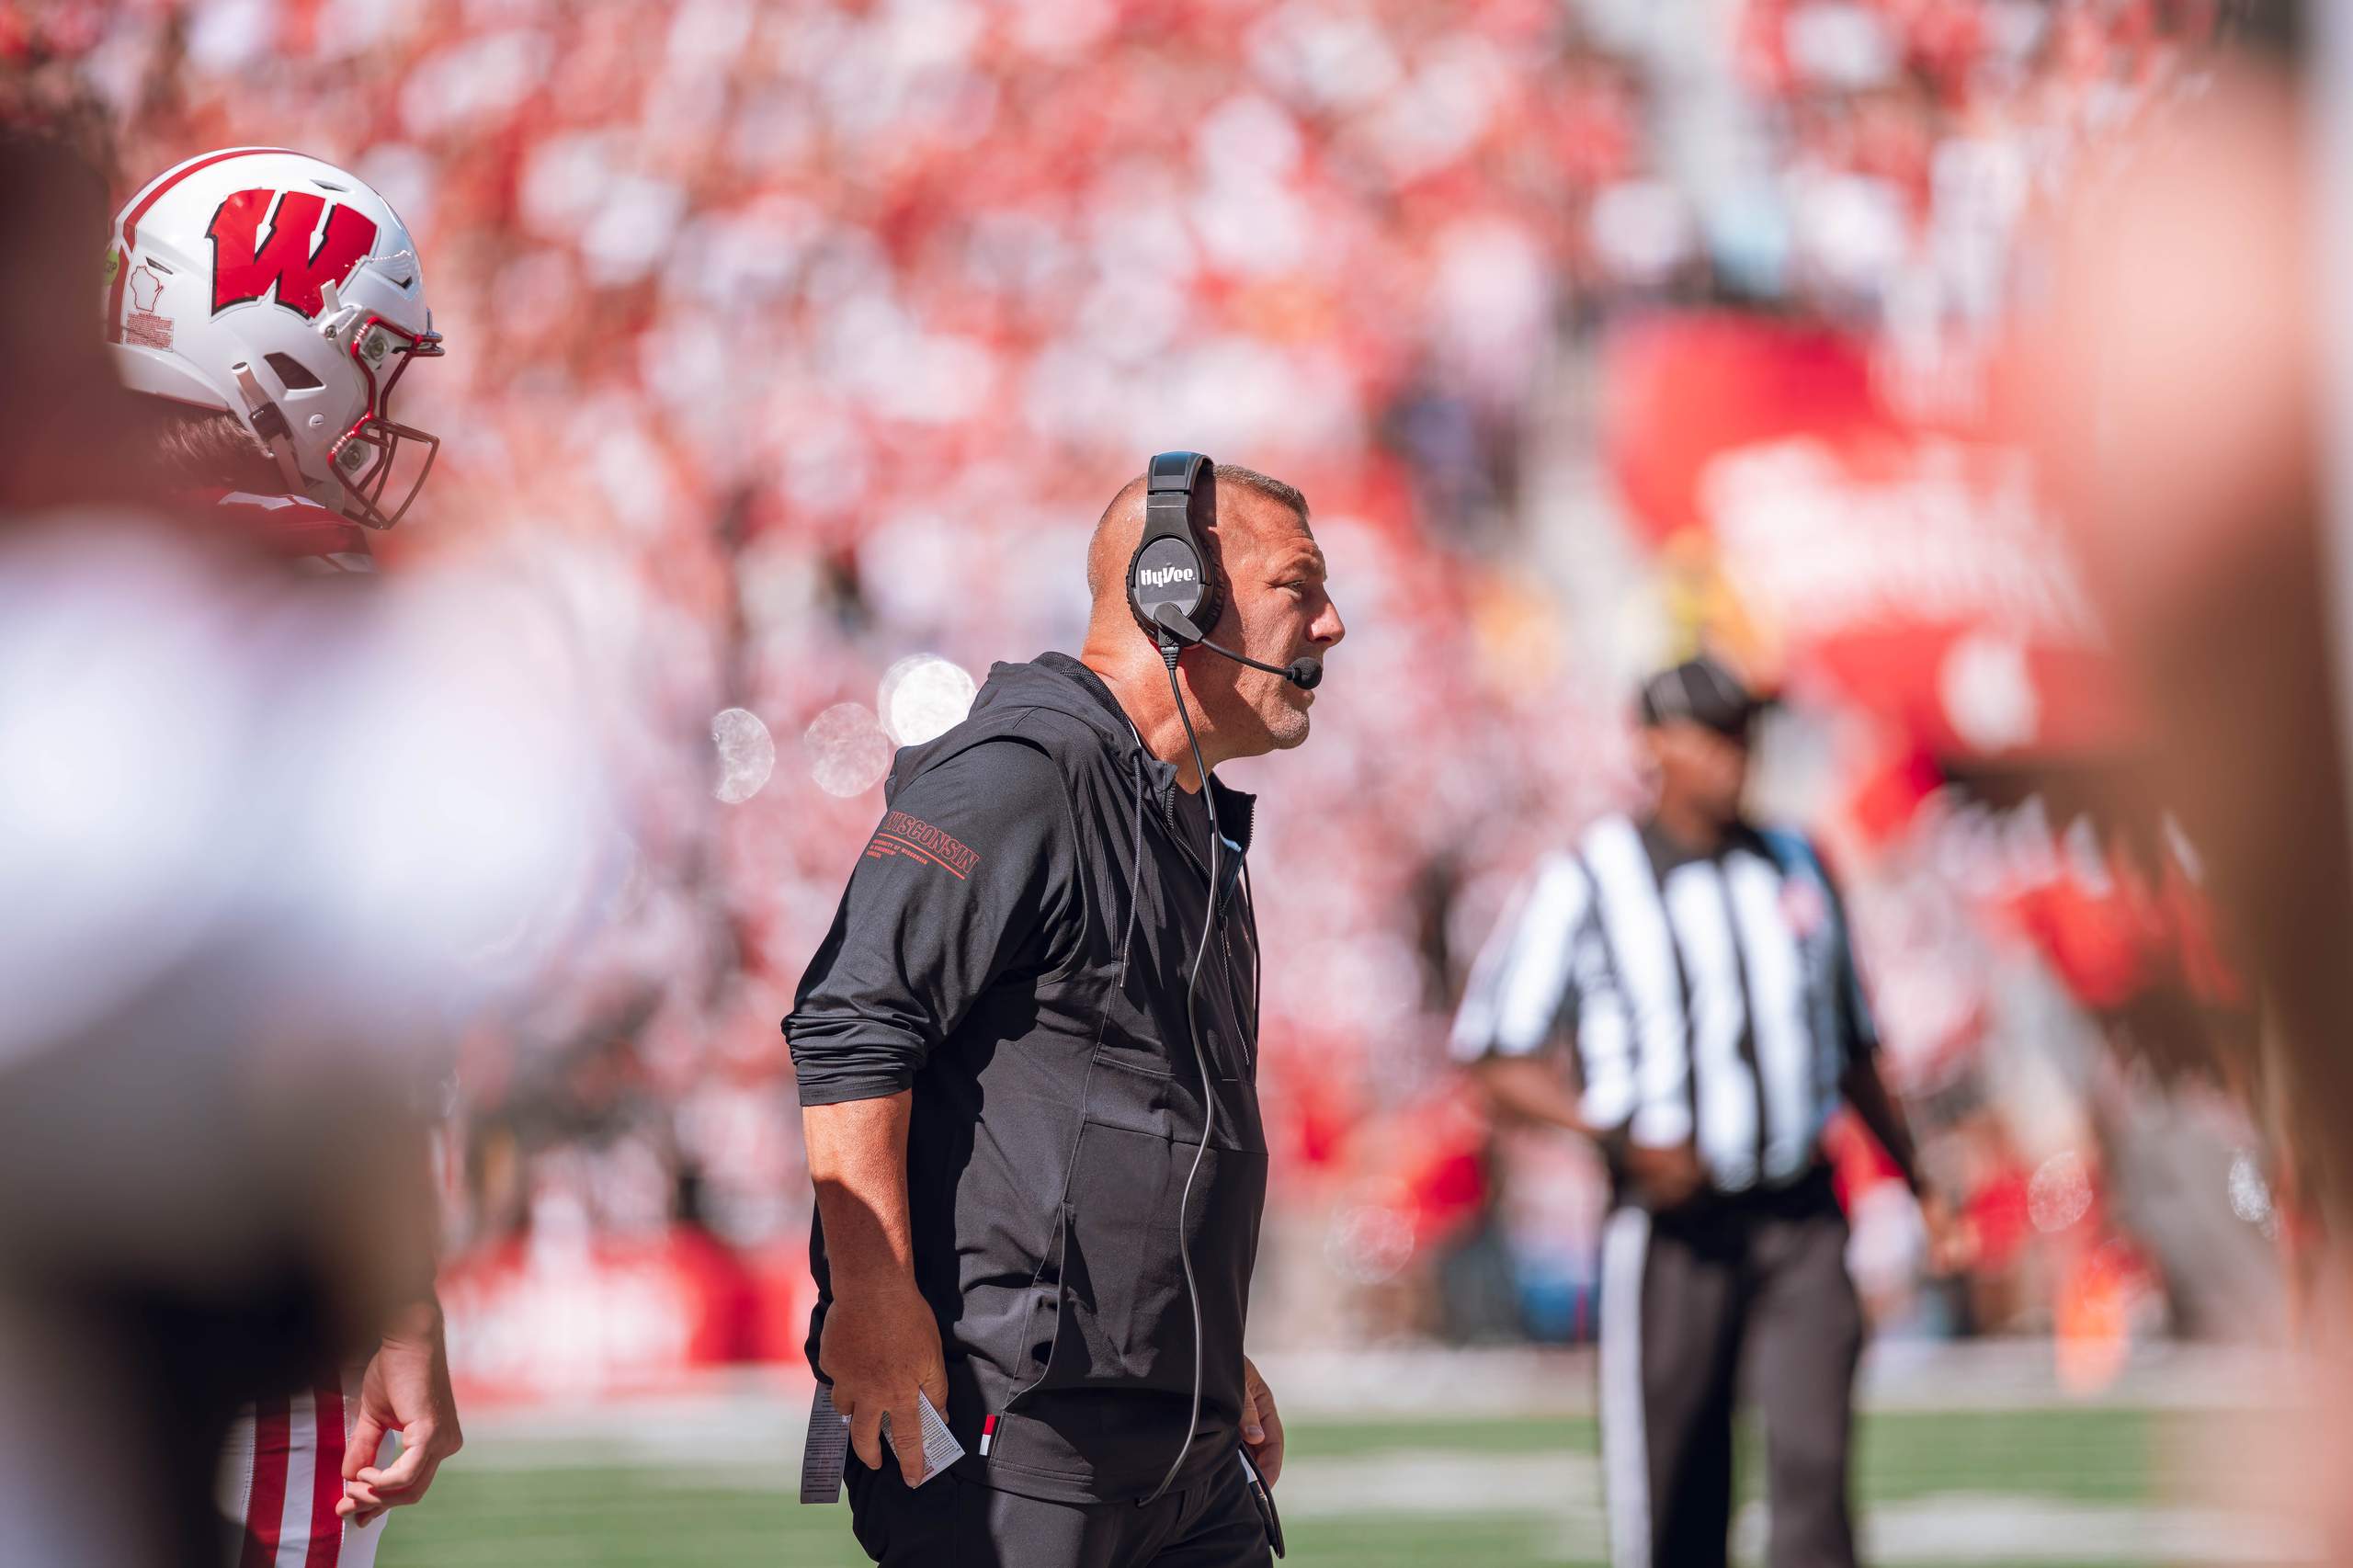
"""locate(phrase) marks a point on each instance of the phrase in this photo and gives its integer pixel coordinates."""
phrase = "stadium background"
(793, 347)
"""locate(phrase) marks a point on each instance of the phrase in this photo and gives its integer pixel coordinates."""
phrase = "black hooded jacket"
(1012, 945)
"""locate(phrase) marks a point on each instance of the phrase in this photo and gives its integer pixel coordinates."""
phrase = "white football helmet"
(287, 292)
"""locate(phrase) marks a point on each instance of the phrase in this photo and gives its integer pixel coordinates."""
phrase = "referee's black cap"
(1701, 691)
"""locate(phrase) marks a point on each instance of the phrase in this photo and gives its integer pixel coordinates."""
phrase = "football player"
(268, 305)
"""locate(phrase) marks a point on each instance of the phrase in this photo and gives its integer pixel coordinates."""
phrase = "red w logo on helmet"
(246, 267)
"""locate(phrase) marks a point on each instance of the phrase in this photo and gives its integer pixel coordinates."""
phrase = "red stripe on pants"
(326, 1481)
(266, 1503)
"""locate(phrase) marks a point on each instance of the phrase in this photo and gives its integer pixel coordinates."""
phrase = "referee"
(1702, 967)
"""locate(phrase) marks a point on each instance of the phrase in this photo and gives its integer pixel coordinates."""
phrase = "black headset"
(1174, 588)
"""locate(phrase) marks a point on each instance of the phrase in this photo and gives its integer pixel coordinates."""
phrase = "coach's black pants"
(950, 1522)
(1692, 1303)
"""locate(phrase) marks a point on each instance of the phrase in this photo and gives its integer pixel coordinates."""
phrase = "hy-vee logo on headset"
(1161, 576)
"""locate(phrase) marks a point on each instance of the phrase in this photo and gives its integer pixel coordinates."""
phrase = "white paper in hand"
(827, 1449)
(940, 1448)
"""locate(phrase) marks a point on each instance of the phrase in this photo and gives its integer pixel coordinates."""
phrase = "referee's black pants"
(1694, 1302)
(950, 1522)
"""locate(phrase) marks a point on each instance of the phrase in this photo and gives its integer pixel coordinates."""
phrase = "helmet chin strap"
(269, 424)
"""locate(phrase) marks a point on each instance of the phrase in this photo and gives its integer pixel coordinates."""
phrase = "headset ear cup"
(1213, 598)
(1180, 508)
(1135, 599)
(1213, 601)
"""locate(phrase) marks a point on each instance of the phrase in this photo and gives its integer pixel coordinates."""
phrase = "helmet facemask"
(365, 458)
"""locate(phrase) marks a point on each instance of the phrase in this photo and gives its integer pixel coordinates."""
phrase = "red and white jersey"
(281, 1475)
(296, 528)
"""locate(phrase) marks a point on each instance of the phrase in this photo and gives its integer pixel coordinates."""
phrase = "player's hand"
(1952, 1241)
(1262, 1424)
(1666, 1179)
(406, 1389)
(879, 1348)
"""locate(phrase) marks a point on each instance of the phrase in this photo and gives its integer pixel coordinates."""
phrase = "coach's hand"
(406, 1389)
(1666, 1179)
(1262, 1425)
(879, 1348)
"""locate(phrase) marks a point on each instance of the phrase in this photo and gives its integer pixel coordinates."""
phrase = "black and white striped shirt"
(1712, 998)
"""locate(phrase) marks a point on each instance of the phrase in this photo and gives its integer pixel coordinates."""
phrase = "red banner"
(1915, 569)
(582, 1317)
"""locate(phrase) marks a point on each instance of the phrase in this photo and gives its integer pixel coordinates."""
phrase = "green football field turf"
(1934, 1489)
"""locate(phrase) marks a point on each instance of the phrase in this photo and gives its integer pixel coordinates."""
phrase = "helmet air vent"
(293, 372)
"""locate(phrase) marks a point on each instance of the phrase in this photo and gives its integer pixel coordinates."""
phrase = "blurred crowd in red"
(791, 338)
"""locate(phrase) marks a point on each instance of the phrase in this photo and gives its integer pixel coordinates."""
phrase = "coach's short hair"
(1099, 570)
(1264, 485)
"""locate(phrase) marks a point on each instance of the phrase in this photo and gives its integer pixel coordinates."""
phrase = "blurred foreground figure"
(266, 304)
(264, 837)
(2184, 416)
(2177, 416)
(1702, 968)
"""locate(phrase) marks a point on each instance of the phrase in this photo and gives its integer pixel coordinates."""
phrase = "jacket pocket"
(1149, 1061)
(1121, 1316)
(1167, 1051)
(1042, 1325)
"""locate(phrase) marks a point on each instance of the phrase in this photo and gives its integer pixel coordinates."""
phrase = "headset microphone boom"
(1303, 672)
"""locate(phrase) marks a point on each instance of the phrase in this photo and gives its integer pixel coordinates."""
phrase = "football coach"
(1027, 1053)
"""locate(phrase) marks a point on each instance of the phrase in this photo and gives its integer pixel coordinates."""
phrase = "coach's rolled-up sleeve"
(965, 880)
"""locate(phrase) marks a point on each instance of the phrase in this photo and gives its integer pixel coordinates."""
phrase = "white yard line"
(1559, 1494)
(744, 1430)
(1563, 1489)
(1993, 1527)
(1407, 1383)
